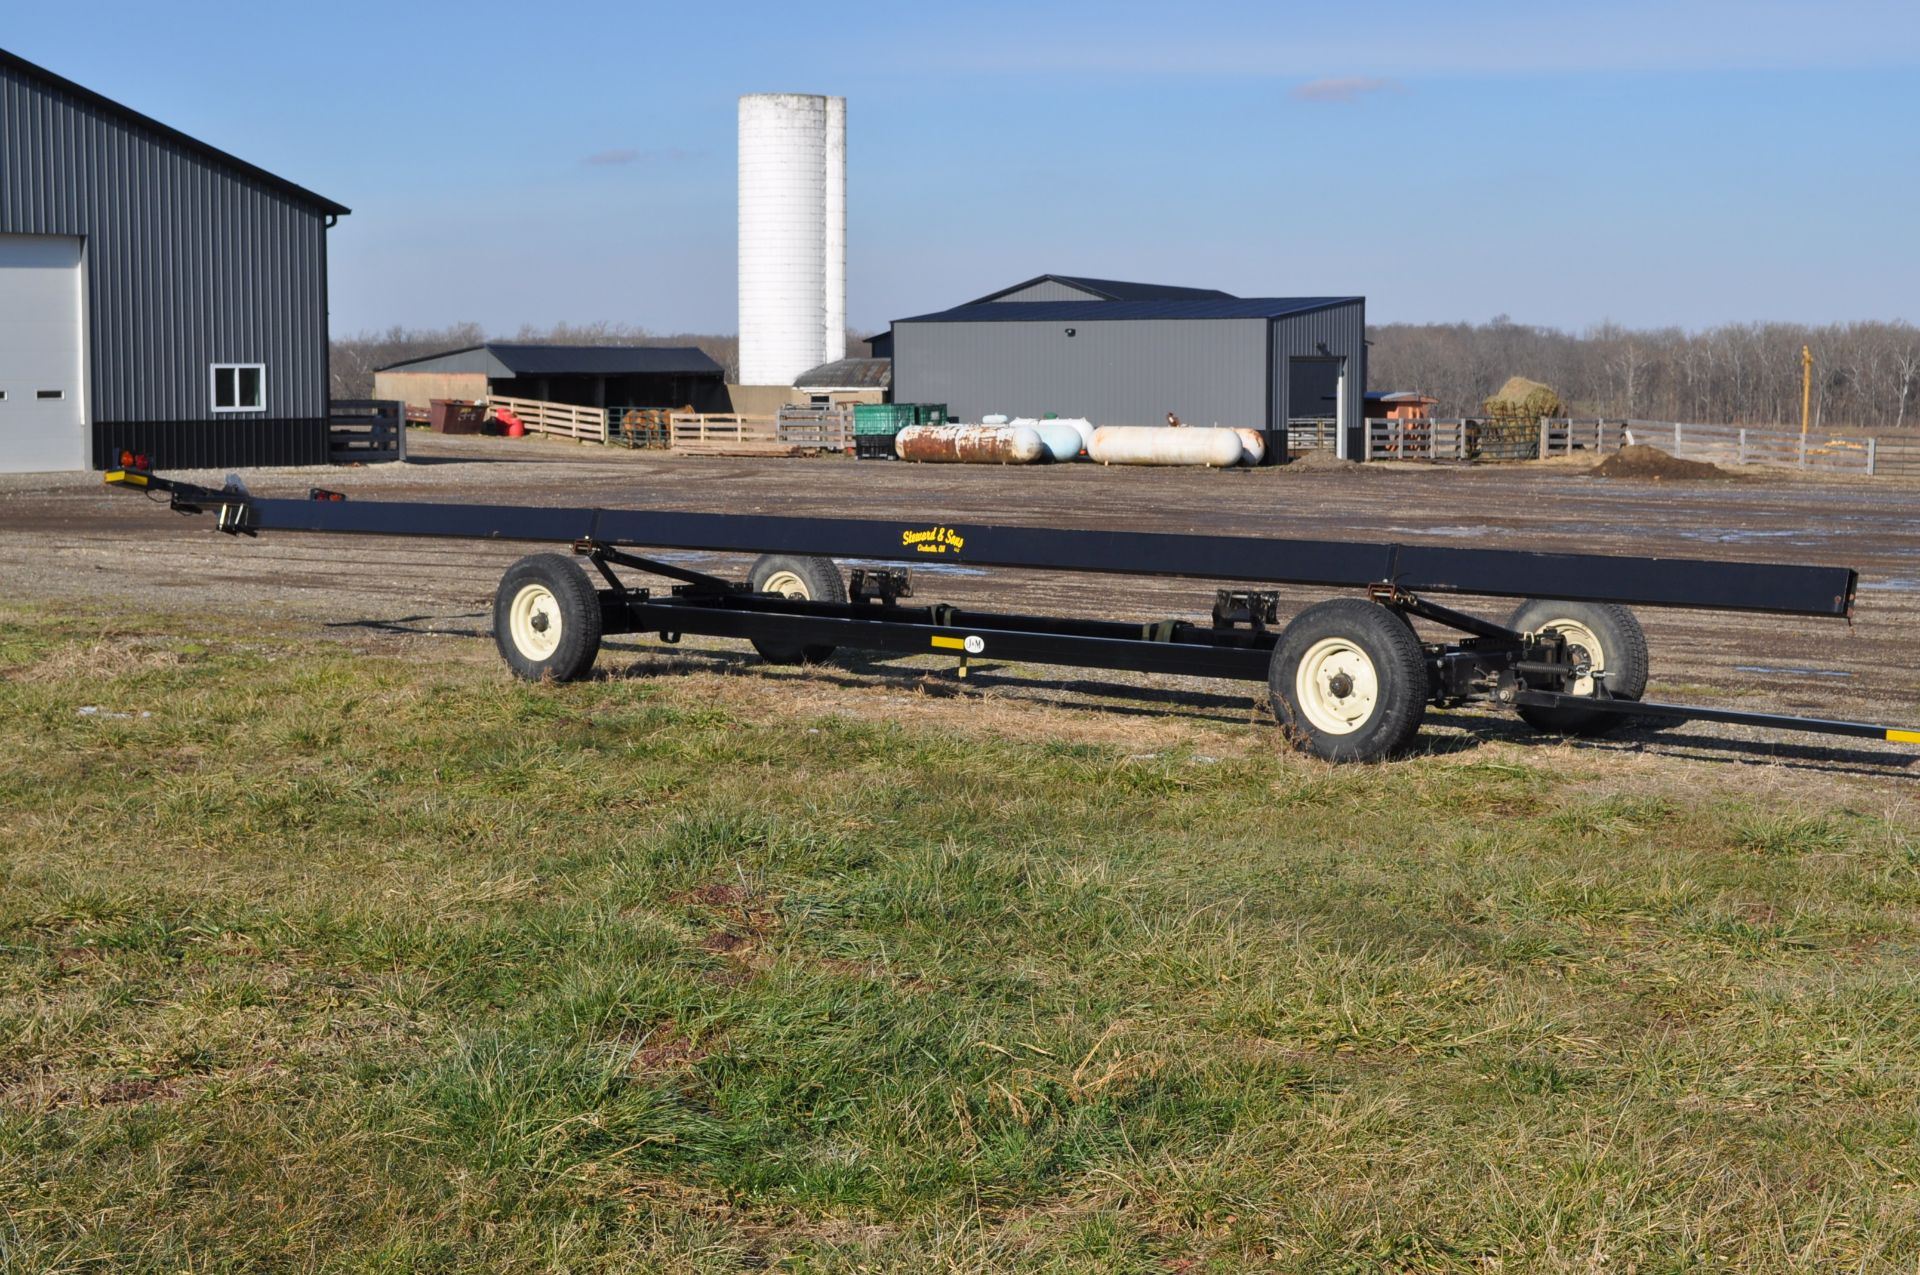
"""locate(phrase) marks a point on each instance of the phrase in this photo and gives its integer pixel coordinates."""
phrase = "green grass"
(341, 962)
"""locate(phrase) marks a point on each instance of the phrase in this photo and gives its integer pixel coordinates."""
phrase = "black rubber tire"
(1623, 656)
(575, 605)
(1399, 667)
(819, 580)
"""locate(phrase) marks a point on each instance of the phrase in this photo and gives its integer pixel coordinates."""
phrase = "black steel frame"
(1784, 589)
(1489, 663)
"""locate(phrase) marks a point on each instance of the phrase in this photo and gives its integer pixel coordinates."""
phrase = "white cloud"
(1343, 88)
(627, 155)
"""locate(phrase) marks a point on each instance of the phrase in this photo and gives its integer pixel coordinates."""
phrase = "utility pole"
(1806, 387)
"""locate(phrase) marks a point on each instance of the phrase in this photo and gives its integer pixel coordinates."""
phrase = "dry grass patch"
(347, 962)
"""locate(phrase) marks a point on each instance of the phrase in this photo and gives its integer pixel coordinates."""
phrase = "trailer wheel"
(1349, 681)
(546, 619)
(809, 579)
(1612, 642)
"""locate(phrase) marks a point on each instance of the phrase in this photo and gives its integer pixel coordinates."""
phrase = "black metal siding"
(1342, 329)
(187, 263)
(215, 444)
(1127, 372)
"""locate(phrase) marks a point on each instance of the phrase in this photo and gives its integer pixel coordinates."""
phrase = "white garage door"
(43, 410)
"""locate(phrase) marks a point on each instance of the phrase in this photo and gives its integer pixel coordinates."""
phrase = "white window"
(239, 387)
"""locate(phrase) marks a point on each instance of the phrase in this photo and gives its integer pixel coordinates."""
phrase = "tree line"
(1865, 375)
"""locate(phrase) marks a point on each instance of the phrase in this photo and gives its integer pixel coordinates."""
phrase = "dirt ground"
(66, 537)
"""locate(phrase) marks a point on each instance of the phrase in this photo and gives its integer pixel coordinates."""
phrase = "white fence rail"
(1744, 445)
(1460, 440)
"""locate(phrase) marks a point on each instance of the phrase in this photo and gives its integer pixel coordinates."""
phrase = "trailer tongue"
(1350, 680)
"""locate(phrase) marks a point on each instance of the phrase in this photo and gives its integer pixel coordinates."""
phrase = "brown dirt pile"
(1637, 460)
(1318, 458)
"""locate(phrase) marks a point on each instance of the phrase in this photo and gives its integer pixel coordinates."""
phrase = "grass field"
(344, 962)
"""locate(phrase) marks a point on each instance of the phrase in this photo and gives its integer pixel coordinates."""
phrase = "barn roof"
(847, 374)
(1110, 289)
(193, 145)
(515, 358)
(1223, 307)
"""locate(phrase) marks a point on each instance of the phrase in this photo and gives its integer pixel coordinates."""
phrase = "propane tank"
(1161, 445)
(1080, 425)
(969, 444)
(1061, 440)
(1253, 446)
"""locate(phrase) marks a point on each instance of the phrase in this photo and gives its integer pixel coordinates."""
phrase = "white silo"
(792, 260)
(834, 337)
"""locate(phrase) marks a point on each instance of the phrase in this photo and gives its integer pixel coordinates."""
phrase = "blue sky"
(1650, 163)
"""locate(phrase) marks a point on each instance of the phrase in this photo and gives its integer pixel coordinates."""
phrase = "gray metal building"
(156, 294)
(1129, 353)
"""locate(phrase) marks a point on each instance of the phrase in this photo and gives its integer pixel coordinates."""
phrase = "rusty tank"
(970, 444)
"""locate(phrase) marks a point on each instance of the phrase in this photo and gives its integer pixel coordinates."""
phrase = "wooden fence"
(726, 434)
(1310, 435)
(1419, 440)
(1567, 436)
(366, 430)
(822, 429)
(1896, 456)
(562, 420)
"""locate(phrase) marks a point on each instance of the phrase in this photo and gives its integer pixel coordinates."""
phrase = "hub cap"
(1583, 647)
(1336, 686)
(787, 584)
(534, 622)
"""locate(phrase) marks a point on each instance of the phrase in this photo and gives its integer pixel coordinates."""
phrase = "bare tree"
(1866, 375)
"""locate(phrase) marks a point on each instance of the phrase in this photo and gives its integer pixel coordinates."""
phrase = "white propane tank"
(1160, 445)
(1079, 424)
(1253, 446)
(1062, 441)
(996, 418)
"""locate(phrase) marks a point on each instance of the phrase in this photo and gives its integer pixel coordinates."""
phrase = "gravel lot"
(67, 538)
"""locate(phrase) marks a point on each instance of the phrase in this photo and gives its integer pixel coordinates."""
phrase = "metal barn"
(156, 294)
(1130, 353)
(583, 375)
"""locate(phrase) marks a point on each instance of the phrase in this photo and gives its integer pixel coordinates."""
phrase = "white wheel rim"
(1583, 644)
(787, 584)
(1336, 686)
(534, 621)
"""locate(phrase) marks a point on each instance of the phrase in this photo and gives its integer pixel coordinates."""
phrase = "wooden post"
(1806, 395)
(1873, 455)
(1676, 438)
(1743, 446)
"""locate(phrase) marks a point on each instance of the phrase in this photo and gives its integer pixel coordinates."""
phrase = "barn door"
(43, 410)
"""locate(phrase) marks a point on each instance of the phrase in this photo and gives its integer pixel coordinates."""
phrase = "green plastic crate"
(882, 418)
(931, 414)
